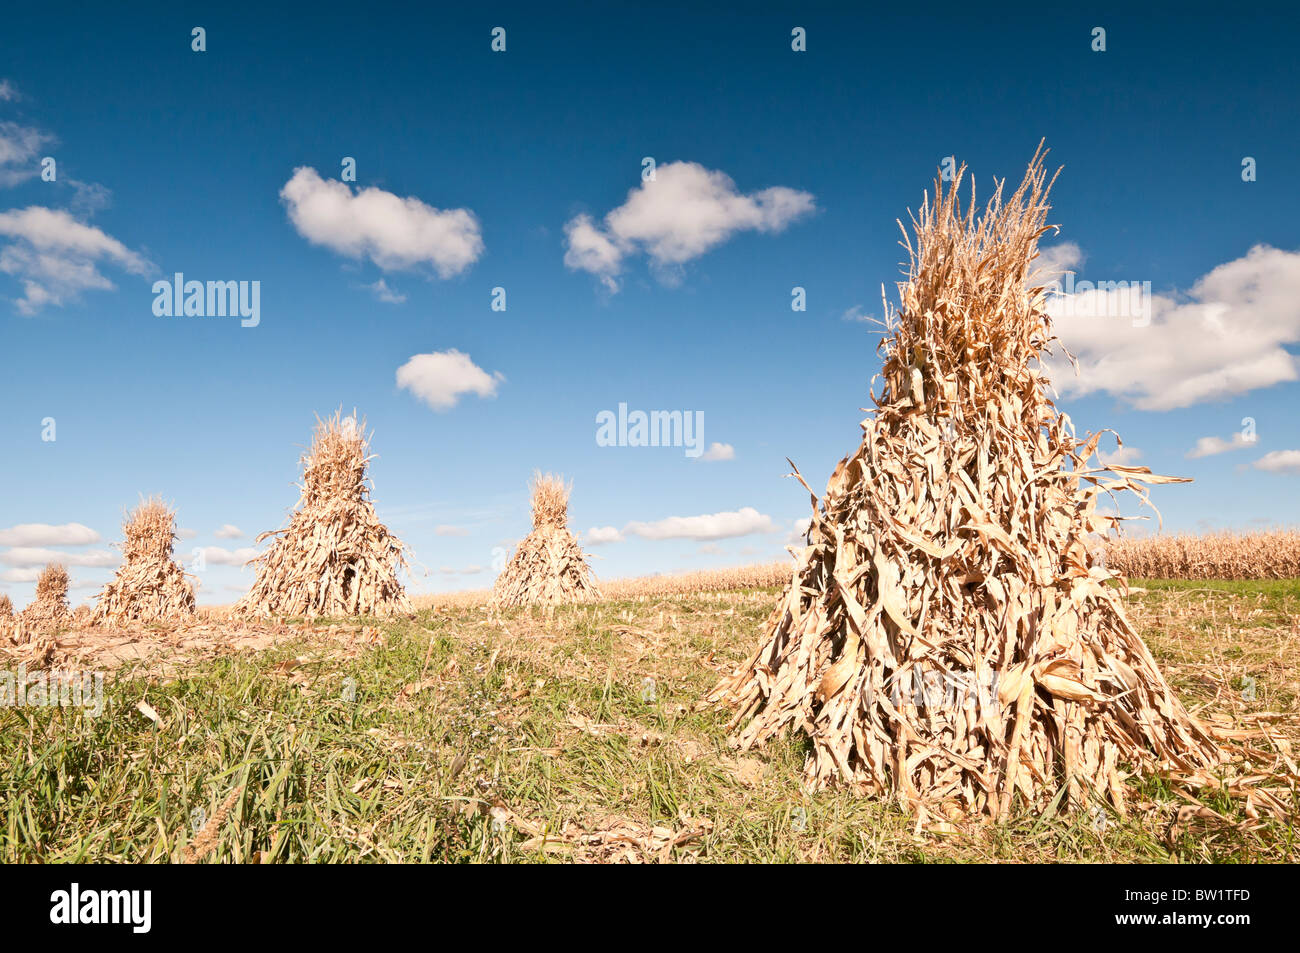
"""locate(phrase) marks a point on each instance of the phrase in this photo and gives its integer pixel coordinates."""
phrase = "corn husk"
(149, 586)
(548, 568)
(334, 558)
(49, 610)
(946, 638)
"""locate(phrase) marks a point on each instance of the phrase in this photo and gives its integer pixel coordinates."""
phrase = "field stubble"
(571, 736)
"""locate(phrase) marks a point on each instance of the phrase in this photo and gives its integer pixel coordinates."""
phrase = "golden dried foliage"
(334, 558)
(550, 500)
(1270, 554)
(149, 586)
(946, 639)
(548, 568)
(49, 611)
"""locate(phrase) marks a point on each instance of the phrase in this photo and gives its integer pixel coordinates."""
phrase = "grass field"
(454, 739)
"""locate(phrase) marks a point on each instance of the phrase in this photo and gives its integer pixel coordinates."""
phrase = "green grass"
(557, 728)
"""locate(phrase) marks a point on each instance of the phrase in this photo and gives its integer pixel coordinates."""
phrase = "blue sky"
(776, 169)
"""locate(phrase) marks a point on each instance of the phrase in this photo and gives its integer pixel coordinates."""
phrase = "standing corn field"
(549, 567)
(334, 558)
(149, 586)
(1272, 554)
(947, 640)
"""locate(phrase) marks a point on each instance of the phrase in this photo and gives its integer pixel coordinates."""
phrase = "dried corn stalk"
(7, 621)
(334, 558)
(49, 611)
(149, 585)
(946, 638)
(549, 567)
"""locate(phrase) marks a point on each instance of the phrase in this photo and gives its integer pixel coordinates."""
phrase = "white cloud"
(20, 575)
(441, 377)
(589, 250)
(600, 535)
(718, 451)
(1279, 461)
(44, 534)
(37, 556)
(1121, 457)
(383, 293)
(395, 233)
(799, 531)
(8, 92)
(186, 533)
(56, 257)
(1054, 261)
(1210, 446)
(450, 531)
(855, 313)
(1227, 336)
(229, 531)
(20, 147)
(727, 525)
(220, 556)
(685, 211)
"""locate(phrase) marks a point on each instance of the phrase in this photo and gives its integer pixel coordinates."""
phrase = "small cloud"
(1211, 446)
(601, 535)
(1279, 461)
(724, 525)
(1122, 457)
(718, 451)
(396, 233)
(8, 92)
(186, 533)
(89, 198)
(681, 214)
(1054, 262)
(383, 293)
(44, 534)
(450, 531)
(20, 146)
(56, 257)
(219, 556)
(38, 556)
(441, 377)
(856, 313)
(229, 531)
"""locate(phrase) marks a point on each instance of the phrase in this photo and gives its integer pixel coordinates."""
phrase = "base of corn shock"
(950, 553)
(334, 558)
(548, 568)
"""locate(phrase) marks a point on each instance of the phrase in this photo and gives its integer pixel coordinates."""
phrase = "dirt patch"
(162, 650)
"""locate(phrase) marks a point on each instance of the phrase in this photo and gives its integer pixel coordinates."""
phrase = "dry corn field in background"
(641, 588)
(1271, 554)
